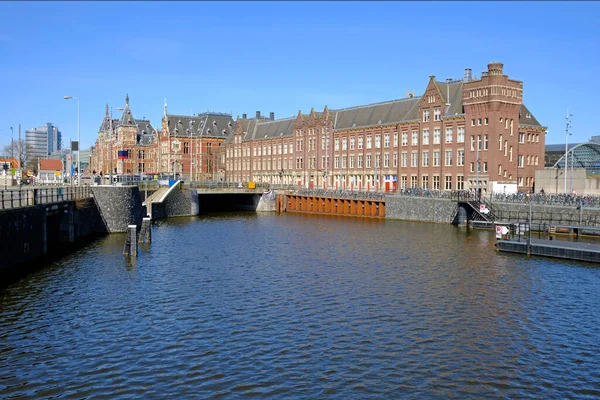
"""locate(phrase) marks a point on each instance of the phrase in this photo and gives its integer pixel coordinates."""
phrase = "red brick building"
(433, 141)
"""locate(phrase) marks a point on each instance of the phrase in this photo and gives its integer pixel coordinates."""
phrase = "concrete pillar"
(146, 231)
(131, 244)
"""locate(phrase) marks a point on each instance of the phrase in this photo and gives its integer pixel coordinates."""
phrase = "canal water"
(309, 307)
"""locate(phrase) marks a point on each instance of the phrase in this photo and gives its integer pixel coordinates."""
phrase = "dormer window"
(215, 123)
(230, 124)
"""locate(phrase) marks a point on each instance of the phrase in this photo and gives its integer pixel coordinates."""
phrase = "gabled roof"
(146, 134)
(50, 165)
(376, 114)
(452, 93)
(527, 118)
(272, 129)
(213, 125)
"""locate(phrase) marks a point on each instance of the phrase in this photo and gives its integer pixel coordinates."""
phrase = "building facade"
(43, 141)
(460, 134)
(186, 147)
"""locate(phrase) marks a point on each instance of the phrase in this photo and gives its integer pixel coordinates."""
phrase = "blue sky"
(240, 57)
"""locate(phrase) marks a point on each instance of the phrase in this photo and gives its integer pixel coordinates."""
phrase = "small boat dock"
(552, 248)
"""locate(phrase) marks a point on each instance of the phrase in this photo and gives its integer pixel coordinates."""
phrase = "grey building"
(43, 141)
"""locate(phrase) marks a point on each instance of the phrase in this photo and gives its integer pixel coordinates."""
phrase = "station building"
(459, 134)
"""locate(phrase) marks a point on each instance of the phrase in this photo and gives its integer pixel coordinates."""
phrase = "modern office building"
(43, 141)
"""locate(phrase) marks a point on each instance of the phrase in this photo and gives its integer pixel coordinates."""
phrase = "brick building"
(137, 137)
(433, 141)
(183, 142)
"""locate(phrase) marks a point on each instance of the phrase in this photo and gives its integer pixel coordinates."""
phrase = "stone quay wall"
(119, 206)
(427, 209)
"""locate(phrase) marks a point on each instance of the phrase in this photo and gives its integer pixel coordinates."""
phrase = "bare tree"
(22, 153)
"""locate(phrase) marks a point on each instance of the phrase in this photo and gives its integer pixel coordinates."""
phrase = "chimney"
(257, 114)
(272, 116)
(244, 116)
(468, 75)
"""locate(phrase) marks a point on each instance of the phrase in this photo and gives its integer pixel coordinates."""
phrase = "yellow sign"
(57, 173)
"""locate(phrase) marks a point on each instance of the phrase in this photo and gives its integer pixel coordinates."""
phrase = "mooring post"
(131, 248)
(146, 231)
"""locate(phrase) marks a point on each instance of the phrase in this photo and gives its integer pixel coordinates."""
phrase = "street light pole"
(12, 142)
(78, 134)
(568, 125)
(191, 124)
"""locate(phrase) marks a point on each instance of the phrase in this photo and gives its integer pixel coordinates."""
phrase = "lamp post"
(12, 142)
(78, 134)
(568, 125)
(191, 124)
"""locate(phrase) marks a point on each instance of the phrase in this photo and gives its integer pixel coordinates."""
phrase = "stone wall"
(119, 206)
(180, 203)
(420, 209)
(542, 213)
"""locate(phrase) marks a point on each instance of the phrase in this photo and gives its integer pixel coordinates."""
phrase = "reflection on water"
(300, 306)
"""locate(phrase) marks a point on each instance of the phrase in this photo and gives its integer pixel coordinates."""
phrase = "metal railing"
(549, 199)
(15, 198)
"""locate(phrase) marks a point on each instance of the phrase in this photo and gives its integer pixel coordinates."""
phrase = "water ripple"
(253, 306)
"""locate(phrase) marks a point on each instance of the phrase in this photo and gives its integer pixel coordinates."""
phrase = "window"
(500, 142)
(415, 138)
(344, 158)
(472, 169)
(436, 158)
(186, 148)
(425, 159)
(395, 160)
(344, 143)
(413, 181)
(436, 182)
(485, 166)
(436, 135)
(510, 154)
(395, 139)
(425, 115)
(352, 140)
(369, 142)
(360, 161)
(528, 160)
(425, 182)
(322, 143)
(472, 122)
(479, 142)
(485, 142)
(486, 121)
(479, 122)
(425, 137)
(403, 182)
(460, 138)
(437, 113)
(386, 140)
(337, 144)
(404, 160)
(448, 185)
(472, 143)
(448, 135)
(414, 159)
(460, 182)
(291, 148)
(351, 161)
(368, 161)
(500, 169)
(521, 137)
(520, 181)
(460, 157)
(377, 141)
(404, 138)
(448, 158)
(520, 159)
(360, 142)
(506, 147)
(336, 162)
(377, 160)
(386, 160)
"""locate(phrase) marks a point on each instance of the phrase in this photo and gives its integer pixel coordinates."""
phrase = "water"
(293, 306)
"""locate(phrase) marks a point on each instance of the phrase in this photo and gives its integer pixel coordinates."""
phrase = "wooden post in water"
(131, 245)
(146, 231)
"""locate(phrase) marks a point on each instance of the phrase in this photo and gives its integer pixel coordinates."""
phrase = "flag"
(123, 154)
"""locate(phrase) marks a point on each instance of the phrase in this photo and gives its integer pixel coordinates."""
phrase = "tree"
(22, 153)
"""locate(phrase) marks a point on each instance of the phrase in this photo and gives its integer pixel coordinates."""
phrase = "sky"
(282, 57)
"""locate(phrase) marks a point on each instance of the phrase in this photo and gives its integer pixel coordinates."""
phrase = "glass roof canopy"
(584, 155)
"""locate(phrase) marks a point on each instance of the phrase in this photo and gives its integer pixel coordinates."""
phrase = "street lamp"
(78, 135)
(568, 125)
